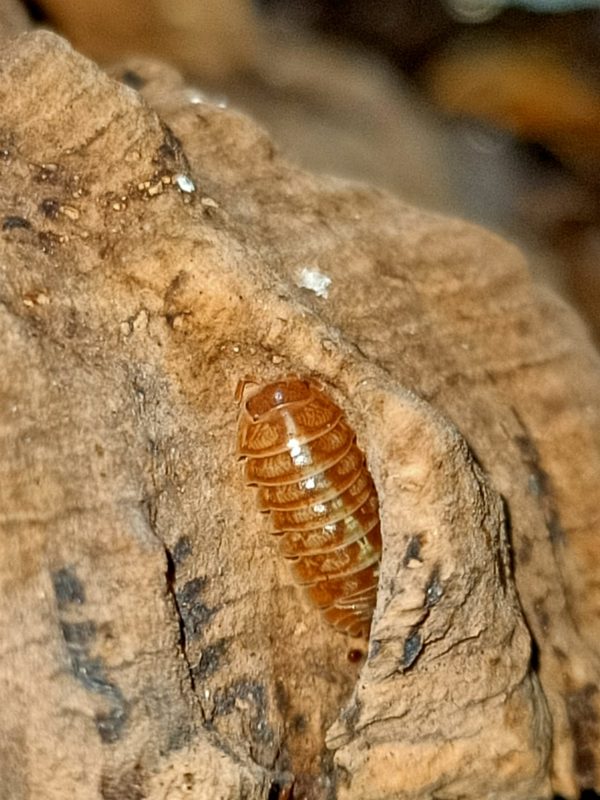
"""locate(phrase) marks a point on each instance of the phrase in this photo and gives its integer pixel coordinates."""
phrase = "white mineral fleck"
(314, 280)
(185, 183)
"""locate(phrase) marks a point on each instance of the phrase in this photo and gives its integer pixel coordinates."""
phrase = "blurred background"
(485, 109)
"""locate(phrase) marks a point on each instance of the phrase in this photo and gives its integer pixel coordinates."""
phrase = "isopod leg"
(335, 591)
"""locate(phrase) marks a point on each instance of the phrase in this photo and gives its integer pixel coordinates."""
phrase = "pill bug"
(301, 453)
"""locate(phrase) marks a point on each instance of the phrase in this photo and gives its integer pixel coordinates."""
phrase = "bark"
(153, 643)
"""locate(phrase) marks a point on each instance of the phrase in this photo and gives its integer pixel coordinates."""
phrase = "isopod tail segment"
(312, 479)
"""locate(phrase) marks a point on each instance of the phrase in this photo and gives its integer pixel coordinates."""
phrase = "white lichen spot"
(184, 183)
(310, 483)
(315, 281)
(319, 508)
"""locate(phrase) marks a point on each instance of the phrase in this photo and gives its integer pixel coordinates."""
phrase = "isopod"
(312, 479)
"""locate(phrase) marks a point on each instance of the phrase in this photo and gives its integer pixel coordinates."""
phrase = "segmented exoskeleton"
(312, 479)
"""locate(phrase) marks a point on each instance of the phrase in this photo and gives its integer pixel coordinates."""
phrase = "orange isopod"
(312, 479)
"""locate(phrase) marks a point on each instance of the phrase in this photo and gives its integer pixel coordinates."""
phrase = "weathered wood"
(153, 644)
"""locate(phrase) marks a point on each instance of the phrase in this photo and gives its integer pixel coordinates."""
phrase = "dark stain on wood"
(195, 614)
(584, 723)
(540, 484)
(68, 589)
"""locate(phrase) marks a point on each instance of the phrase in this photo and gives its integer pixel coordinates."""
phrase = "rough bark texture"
(153, 644)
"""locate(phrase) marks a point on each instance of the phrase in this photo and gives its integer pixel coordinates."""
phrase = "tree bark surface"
(154, 645)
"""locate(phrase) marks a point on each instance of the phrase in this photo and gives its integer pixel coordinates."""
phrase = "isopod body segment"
(301, 453)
